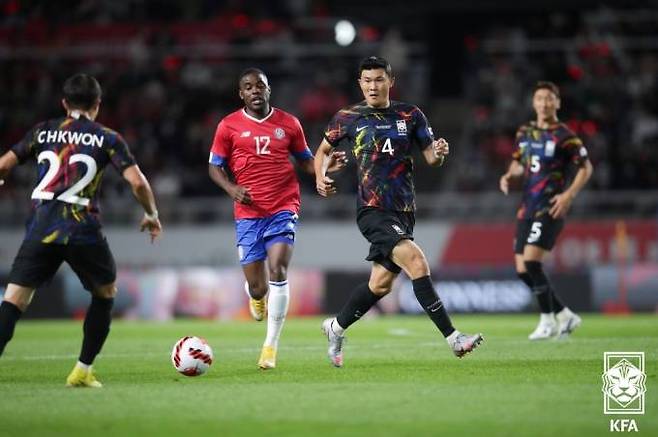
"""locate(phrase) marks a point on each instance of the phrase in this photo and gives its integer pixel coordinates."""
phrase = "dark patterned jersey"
(381, 140)
(546, 155)
(71, 156)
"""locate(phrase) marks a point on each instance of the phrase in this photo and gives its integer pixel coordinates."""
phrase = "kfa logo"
(623, 425)
(623, 383)
(402, 127)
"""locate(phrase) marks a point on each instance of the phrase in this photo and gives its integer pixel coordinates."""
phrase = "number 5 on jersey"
(535, 232)
(535, 165)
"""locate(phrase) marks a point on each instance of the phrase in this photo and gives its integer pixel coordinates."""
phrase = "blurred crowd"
(169, 73)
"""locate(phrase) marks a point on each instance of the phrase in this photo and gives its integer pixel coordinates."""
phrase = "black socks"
(525, 277)
(95, 328)
(540, 286)
(536, 279)
(360, 301)
(9, 315)
(429, 300)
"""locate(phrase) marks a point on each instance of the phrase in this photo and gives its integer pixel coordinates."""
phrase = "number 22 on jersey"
(70, 195)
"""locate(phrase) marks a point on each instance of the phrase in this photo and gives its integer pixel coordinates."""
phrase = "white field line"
(521, 342)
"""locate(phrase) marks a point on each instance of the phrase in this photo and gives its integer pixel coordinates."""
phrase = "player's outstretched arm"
(144, 195)
(7, 162)
(514, 170)
(337, 161)
(237, 192)
(562, 202)
(436, 153)
(323, 184)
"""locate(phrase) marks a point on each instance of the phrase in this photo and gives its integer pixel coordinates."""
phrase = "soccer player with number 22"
(72, 153)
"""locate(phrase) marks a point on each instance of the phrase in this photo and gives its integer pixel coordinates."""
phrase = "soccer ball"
(191, 356)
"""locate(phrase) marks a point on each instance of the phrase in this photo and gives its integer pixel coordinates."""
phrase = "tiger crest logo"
(624, 383)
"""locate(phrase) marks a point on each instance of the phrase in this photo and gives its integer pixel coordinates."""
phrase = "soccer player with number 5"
(255, 144)
(72, 153)
(545, 148)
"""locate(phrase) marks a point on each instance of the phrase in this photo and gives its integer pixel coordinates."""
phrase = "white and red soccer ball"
(191, 356)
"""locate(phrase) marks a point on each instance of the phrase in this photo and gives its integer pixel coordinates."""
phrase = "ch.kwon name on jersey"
(70, 137)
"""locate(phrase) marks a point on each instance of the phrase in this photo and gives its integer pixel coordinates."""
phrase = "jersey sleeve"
(517, 154)
(120, 154)
(27, 147)
(422, 134)
(298, 146)
(337, 129)
(575, 150)
(221, 146)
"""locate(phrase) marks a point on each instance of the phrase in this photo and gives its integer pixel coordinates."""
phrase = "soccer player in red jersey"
(545, 150)
(72, 153)
(255, 143)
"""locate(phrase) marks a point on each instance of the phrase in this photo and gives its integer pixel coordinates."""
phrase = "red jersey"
(257, 152)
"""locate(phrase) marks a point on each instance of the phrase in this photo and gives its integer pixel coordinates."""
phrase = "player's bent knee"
(381, 285)
(417, 266)
(380, 289)
(19, 296)
(278, 273)
(108, 291)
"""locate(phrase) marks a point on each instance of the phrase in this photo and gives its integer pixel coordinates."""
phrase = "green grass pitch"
(399, 379)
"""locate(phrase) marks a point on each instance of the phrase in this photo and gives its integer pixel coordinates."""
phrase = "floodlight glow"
(345, 33)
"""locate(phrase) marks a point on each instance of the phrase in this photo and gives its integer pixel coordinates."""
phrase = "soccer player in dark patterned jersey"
(382, 134)
(255, 143)
(72, 153)
(545, 148)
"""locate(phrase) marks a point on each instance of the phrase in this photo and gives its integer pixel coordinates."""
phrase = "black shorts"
(36, 263)
(542, 232)
(384, 230)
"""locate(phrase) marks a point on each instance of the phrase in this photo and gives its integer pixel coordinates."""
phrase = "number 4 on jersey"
(387, 147)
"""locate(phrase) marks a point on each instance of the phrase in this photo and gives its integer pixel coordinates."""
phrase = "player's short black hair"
(82, 91)
(374, 63)
(251, 70)
(546, 85)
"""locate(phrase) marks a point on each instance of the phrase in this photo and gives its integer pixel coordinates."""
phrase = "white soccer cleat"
(544, 330)
(335, 351)
(464, 343)
(567, 322)
(257, 307)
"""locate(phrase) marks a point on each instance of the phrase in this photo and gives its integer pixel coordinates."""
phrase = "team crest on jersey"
(402, 127)
(279, 133)
(245, 134)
